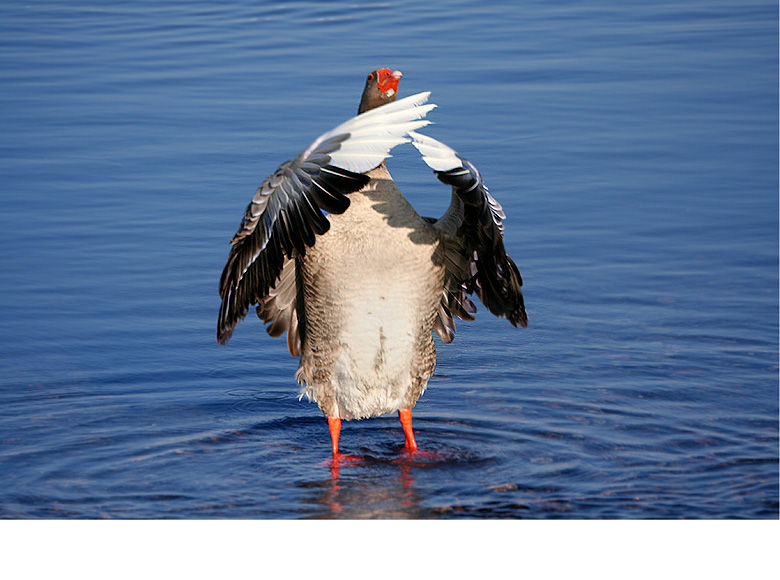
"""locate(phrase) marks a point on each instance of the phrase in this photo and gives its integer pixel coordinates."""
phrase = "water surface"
(635, 152)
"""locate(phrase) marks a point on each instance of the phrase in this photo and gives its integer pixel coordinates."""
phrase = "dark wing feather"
(279, 309)
(280, 221)
(476, 259)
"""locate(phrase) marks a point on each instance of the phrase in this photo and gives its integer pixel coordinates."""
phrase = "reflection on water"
(369, 493)
(383, 486)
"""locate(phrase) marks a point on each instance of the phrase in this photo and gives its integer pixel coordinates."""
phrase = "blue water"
(634, 149)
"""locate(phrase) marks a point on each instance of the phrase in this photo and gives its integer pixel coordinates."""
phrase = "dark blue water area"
(634, 149)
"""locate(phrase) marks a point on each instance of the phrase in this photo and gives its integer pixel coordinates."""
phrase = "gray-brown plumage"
(360, 297)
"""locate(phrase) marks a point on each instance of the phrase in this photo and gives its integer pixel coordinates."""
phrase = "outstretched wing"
(285, 214)
(472, 228)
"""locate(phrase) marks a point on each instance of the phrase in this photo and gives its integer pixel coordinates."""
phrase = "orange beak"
(388, 80)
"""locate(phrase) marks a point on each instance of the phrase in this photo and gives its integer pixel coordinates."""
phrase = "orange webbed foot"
(334, 425)
(405, 415)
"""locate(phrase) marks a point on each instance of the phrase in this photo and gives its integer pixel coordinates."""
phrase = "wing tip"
(224, 332)
(435, 154)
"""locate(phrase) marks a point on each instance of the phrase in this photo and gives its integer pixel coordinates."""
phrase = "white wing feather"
(375, 132)
(436, 154)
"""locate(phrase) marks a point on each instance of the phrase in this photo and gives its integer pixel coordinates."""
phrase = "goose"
(361, 290)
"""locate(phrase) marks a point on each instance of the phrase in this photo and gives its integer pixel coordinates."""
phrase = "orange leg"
(334, 424)
(405, 415)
